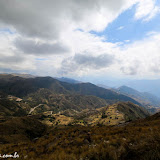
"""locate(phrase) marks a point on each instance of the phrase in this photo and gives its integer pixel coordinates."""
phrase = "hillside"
(131, 111)
(48, 101)
(115, 114)
(10, 107)
(45, 94)
(72, 121)
(136, 140)
(21, 87)
(20, 129)
(74, 109)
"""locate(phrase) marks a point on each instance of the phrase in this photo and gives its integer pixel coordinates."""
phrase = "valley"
(60, 120)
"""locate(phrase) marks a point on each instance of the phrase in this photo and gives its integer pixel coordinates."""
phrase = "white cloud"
(127, 41)
(142, 57)
(120, 28)
(146, 10)
(154, 12)
(12, 59)
(48, 30)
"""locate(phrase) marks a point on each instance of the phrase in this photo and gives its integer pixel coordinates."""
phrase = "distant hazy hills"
(68, 80)
(142, 97)
(149, 85)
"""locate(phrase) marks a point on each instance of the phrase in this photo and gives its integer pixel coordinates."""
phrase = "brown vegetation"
(136, 140)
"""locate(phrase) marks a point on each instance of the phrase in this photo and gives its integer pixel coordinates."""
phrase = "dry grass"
(57, 119)
(108, 116)
(138, 140)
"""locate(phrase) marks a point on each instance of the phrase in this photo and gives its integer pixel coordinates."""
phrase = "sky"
(81, 39)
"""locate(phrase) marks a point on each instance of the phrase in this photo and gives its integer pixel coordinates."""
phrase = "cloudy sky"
(82, 39)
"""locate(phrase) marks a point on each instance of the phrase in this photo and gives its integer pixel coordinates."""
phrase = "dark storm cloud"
(37, 48)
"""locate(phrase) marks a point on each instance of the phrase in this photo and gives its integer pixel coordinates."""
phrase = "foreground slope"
(136, 140)
(20, 129)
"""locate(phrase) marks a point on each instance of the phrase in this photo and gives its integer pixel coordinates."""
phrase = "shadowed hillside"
(60, 102)
(21, 87)
(132, 111)
(22, 129)
(10, 107)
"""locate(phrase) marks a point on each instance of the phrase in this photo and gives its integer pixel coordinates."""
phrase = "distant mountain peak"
(68, 80)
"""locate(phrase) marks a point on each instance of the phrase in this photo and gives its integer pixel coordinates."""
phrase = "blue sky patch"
(127, 29)
(6, 30)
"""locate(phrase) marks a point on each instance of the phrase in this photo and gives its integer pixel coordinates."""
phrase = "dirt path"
(32, 109)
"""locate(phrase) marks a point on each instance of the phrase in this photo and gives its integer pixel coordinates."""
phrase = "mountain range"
(21, 87)
(142, 97)
(45, 118)
(46, 95)
(142, 85)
